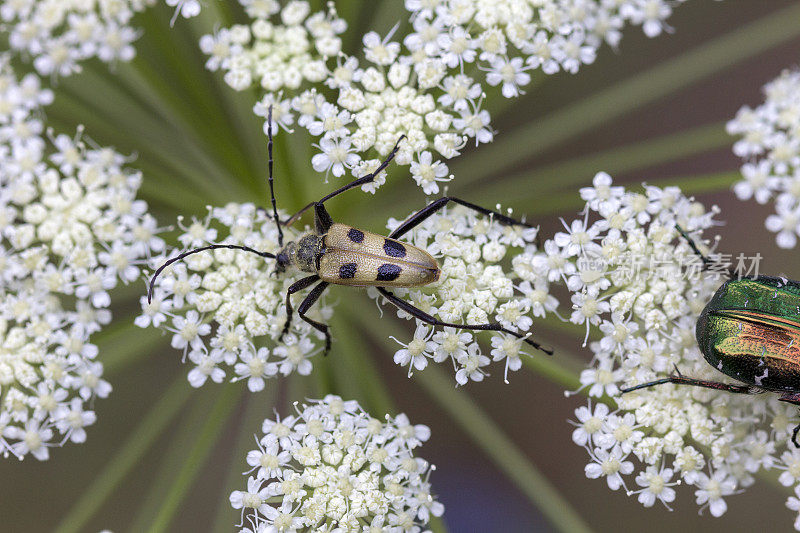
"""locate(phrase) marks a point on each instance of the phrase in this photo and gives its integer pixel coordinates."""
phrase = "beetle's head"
(284, 257)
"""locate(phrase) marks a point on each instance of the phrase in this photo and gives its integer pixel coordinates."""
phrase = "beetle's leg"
(418, 217)
(322, 220)
(298, 285)
(310, 300)
(425, 317)
(680, 380)
(708, 263)
(365, 179)
(794, 436)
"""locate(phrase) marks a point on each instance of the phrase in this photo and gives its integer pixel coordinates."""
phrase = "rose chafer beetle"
(750, 331)
(339, 254)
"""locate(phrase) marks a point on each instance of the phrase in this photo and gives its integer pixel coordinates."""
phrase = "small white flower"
(712, 489)
(611, 464)
(335, 157)
(657, 486)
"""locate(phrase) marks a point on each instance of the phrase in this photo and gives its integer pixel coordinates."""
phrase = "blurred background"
(164, 456)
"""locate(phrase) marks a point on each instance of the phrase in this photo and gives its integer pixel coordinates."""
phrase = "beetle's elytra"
(750, 331)
(343, 255)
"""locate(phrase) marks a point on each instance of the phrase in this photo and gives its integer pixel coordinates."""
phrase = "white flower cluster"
(59, 34)
(508, 39)
(627, 268)
(474, 288)
(424, 88)
(333, 467)
(770, 144)
(223, 307)
(70, 228)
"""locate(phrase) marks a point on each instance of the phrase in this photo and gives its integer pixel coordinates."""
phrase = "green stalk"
(171, 456)
(236, 107)
(257, 408)
(180, 68)
(205, 440)
(562, 201)
(132, 450)
(358, 363)
(105, 121)
(129, 345)
(346, 380)
(527, 186)
(502, 450)
(633, 93)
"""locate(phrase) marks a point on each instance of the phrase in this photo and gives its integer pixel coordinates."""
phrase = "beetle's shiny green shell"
(750, 330)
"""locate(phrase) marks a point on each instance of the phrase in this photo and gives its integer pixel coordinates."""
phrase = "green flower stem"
(212, 170)
(161, 159)
(323, 380)
(566, 376)
(630, 94)
(347, 380)
(704, 183)
(123, 118)
(127, 458)
(124, 346)
(195, 459)
(257, 407)
(567, 175)
(359, 369)
(172, 455)
(236, 107)
(183, 67)
(502, 450)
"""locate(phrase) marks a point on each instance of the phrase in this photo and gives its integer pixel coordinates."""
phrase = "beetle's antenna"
(197, 250)
(271, 188)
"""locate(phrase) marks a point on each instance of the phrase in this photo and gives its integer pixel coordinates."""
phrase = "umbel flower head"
(488, 274)
(640, 288)
(59, 34)
(226, 309)
(332, 467)
(770, 145)
(70, 229)
(424, 85)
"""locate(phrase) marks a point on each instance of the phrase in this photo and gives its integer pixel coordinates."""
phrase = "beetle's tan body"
(360, 258)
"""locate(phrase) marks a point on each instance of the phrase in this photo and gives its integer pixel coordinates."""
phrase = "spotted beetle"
(343, 255)
(750, 331)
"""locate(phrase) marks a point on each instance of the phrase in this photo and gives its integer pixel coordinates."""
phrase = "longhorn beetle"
(339, 254)
(750, 331)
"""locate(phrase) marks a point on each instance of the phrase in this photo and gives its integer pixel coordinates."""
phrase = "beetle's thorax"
(302, 254)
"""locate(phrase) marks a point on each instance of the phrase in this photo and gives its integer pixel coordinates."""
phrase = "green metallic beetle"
(339, 254)
(750, 331)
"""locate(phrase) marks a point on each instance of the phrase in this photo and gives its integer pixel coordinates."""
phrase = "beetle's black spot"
(388, 272)
(347, 270)
(394, 248)
(355, 235)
